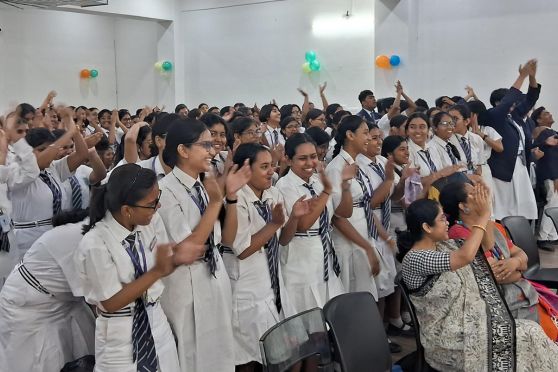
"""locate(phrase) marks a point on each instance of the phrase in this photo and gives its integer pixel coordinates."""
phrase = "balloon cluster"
(311, 64)
(163, 66)
(86, 74)
(383, 61)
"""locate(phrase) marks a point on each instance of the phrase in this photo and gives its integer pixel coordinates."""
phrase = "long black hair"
(451, 195)
(348, 124)
(127, 185)
(419, 212)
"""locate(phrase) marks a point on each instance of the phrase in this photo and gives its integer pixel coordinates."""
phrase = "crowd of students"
(173, 241)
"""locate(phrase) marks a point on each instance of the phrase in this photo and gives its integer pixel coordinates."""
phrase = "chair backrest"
(521, 234)
(357, 333)
(420, 361)
(553, 214)
(298, 338)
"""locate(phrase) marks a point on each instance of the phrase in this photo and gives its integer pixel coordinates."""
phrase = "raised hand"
(277, 153)
(164, 260)
(301, 207)
(304, 94)
(212, 188)
(187, 252)
(480, 200)
(323, 87)
(398, 87)
(348, 172)
(237, 178)
(326, 183)
(93, 139)
(390, 168)
(277, 215)
(134, 130)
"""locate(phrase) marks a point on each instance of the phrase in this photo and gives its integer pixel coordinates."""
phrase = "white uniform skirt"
(356, 274)
(113, 343)
(302, 264)
(39, 332)
(26, 237)
(515, 198)
(199, 309)
(253, 304)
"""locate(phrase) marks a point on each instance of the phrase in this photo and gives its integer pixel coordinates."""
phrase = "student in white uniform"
(310, 266)
(18, 166)
(44, 322)
(35, 202)
(197, 297)
(469, 144)
(271, 117)
(443, 128)
(258, 294)
(357, 256)
(120, 262)
(219, 134)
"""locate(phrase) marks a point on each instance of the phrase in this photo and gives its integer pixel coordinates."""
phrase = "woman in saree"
(465, 324)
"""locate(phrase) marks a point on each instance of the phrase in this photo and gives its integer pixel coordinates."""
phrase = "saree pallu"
(465, 324)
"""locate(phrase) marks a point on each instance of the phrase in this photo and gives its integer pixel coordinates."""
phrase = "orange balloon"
(382, 61)
(85, 73)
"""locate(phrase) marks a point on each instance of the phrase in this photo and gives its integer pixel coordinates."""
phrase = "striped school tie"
(431, 164)
(449, 150)
(209, 256)
(362, 179)
(55, 189)
(143, 344)
(272, 249)
(467, 150)
(386, 205)
(76, 193)
(325, 236)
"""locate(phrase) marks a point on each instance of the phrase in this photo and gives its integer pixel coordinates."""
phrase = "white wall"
(42, 50)
(446, 45)
(255, 52)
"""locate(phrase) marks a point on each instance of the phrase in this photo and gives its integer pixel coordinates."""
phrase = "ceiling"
(52, 3)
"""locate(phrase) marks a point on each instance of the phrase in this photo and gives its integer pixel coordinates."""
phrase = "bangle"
(479, 227)
(325, 192)
(231, 201)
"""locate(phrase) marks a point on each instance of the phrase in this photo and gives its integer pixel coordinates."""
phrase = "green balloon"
(167, 66)
(94, 73)
(310, 55)
(315, 65)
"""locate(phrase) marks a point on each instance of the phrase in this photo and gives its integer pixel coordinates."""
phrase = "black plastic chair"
(83, 364)
(357, 333)
(414, 361)
(521, 234)
(552, 213)
(299, 343)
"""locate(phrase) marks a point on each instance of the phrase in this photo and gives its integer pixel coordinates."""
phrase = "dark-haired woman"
(507, 260)
(120, 261)
(357, 256)
(197, 297)
(219, 134)
(36, 201)
(259, 296)
(270, 117)
(245, 130)
(464, 322)
(316, 118)
(310, 265)
(289, 126)
(44, 322)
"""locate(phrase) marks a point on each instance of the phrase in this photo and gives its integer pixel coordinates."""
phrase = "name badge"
(5, 223)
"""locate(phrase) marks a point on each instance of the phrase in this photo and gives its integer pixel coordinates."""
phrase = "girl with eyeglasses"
(219, 133)
(121, 260)
(245, 130)
(289, 126)
(197, 297)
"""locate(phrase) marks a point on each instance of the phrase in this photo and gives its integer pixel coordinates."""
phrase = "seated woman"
(506, 260)
(464, 322)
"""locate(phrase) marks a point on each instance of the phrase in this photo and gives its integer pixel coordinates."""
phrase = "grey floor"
(548, 259)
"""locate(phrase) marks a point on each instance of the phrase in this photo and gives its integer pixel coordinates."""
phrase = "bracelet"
(325, 192)
(479, 227)
(231, 201)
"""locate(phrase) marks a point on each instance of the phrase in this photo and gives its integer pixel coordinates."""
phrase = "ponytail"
(348, 123)
(97, 207)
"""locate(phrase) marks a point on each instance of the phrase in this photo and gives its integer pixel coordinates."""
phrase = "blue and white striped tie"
(362, 179)
(76, 193)
(209, 256)
(325, 235)
(467, 149)
(143, 344)
(386, 205)
(55, 189)
(272, 248)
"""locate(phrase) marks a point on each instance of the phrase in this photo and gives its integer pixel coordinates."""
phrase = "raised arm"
(322, 95)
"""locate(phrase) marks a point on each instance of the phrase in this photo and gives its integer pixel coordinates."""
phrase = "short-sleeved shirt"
(419, 265)
(82, 174)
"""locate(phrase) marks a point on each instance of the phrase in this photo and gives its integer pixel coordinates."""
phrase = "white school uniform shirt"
(82, 173)
(417, 159)
(154, 163)
(438, 145)
(33, 202)
(269, 136)
(486, 149)
(302, 260)
(104, 266)
(356, 273)
(220, 159)
(61, 323)
(383, 124)
(475, 143)
(198, 305)
(20, 168)
(254, 309)
(385, 280)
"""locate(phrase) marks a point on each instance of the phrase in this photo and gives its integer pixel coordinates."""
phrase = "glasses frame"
(154, 207)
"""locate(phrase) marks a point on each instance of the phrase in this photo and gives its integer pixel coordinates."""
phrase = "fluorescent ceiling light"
(342, 26)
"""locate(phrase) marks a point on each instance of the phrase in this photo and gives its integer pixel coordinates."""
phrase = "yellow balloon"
(159, 66)
(306, 67)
